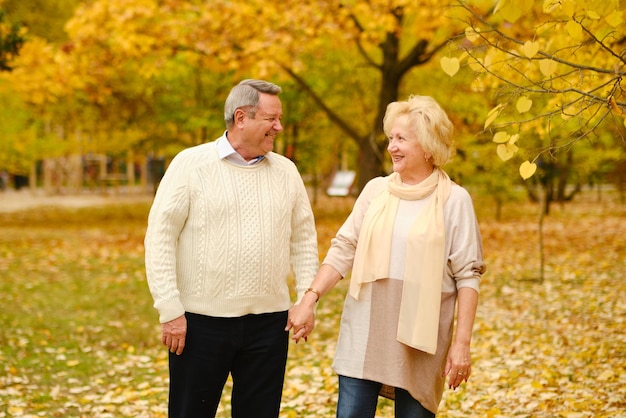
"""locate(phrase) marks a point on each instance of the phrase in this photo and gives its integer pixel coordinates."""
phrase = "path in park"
(12, 200)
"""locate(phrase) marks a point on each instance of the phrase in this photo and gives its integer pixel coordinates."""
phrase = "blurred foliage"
(11, 40)
(145, 79)
(42, 18)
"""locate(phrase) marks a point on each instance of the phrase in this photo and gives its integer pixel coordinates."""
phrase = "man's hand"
(301, 319)
(173, 334)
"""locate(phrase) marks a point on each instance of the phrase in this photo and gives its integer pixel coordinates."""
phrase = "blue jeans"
(358, 399)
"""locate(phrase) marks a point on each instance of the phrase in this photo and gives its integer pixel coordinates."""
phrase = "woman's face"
(408, 158)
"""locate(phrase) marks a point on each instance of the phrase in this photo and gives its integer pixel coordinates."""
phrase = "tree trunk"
(370, 166)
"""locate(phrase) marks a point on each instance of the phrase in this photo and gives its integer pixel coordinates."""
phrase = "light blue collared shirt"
(226, 152)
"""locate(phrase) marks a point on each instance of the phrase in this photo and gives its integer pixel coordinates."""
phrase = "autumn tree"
(152, 74)
(162, 68)
(365, 49)
(11, 40)
(554, 70)
(349, 57)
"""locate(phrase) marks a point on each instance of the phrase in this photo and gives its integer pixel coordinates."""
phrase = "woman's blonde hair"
(429, 122)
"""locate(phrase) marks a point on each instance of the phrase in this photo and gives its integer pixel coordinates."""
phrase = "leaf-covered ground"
(79, 337)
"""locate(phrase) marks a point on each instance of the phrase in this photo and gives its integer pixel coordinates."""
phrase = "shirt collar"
(226, 152)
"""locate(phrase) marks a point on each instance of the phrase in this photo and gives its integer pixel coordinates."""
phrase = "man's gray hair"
(246, 94)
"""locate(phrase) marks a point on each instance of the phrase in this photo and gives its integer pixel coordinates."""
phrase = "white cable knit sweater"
(222, 238)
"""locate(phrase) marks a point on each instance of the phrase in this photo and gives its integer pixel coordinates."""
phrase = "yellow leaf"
(574, 30)
(494, 412)
(606, 375)
(16, 411)
(472, 34)
(496, 109)
(450, 65)
(493, 114)
(506, 151)
(550, 6)
(527, 169)
(476, 64)
(593, 15)
(501, 137)
(512, 10)
(72, 363)
(547, 67)
(530, 48)
(614, 19)
(614, 107)
(524, 104)
(536, 385)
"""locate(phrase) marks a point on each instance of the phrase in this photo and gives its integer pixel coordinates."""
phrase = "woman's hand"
(458, 365)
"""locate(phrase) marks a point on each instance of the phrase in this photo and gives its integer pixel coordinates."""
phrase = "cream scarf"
(418, 324)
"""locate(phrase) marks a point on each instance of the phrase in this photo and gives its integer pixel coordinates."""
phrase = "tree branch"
(359, 44)
(332, 115)
(542, 53)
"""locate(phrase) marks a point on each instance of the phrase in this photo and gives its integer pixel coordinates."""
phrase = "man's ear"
(239, 116)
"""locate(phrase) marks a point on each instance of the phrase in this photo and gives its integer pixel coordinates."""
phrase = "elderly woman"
(413, 245)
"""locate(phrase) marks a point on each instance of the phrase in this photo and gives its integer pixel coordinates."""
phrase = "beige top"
(367, 347)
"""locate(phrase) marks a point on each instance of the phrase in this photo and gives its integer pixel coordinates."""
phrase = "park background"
(96, 97)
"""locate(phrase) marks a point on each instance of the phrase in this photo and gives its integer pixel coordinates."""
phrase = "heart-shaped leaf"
(472, 34)
(530, 48)
(501, 137)
(524, 104)
(527, 169)
(506, 151)
(450, 66)
(547, 67)
(574, 30)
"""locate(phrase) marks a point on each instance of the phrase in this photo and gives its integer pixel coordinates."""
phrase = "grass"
(79, 336)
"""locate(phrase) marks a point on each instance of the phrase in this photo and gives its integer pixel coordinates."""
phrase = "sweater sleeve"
(303, 240)
(465, 258)
(165, 222)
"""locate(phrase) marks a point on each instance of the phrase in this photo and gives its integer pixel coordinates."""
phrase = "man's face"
(258, 134)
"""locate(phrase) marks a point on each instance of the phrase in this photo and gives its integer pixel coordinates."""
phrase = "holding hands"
(302, 316)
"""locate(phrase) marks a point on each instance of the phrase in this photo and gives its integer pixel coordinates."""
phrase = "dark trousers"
(252, 348)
